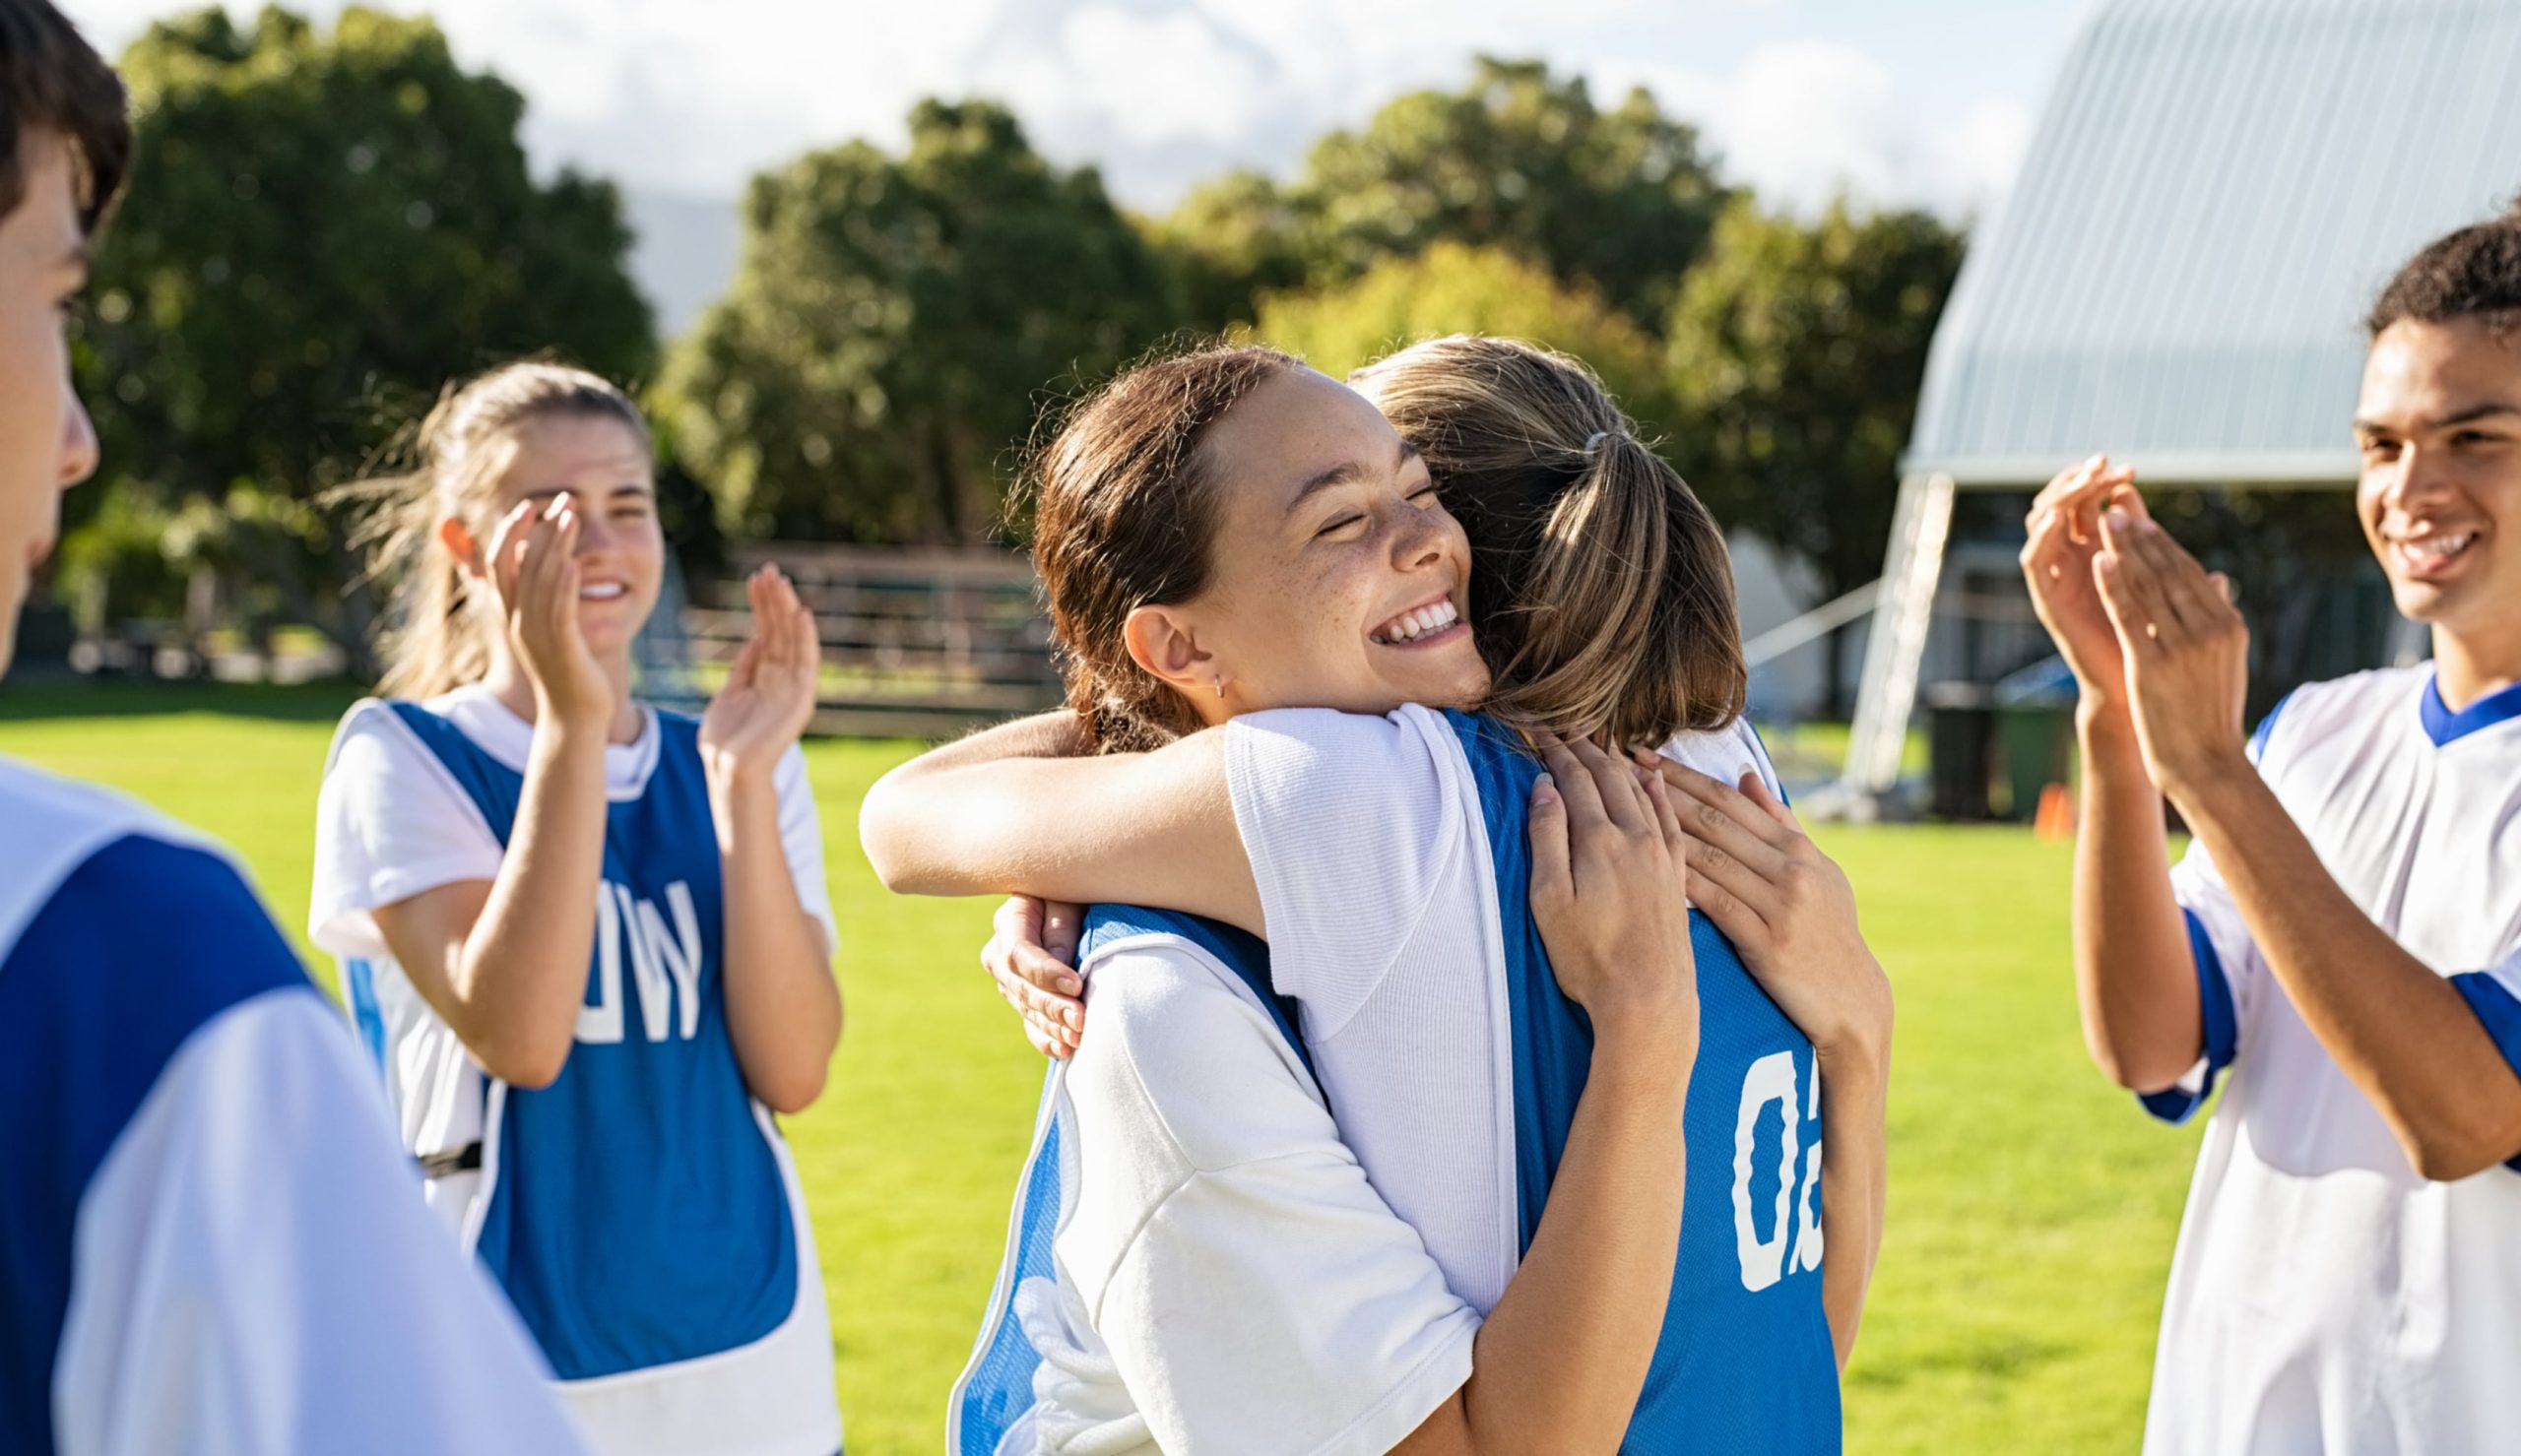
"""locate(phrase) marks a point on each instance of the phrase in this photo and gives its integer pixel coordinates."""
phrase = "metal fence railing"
(919, 642)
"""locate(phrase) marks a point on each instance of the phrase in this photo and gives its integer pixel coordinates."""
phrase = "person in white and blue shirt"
(210, 1239)
(2340, 949)
(587, 941)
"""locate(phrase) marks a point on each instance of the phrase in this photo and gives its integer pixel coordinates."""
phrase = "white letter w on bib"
(665, 967)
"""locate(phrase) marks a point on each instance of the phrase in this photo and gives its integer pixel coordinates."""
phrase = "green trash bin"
(2035, 747)
(1960, 749)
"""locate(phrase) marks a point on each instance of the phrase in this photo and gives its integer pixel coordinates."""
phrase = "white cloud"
(1807, 120)
(1983, 150)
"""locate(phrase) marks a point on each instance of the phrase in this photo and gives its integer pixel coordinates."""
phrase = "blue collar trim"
(2446, 727)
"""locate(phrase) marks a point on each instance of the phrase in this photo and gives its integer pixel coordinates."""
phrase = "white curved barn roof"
(2216, 191)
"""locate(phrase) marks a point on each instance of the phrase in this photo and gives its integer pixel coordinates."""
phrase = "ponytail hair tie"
(1595, 443)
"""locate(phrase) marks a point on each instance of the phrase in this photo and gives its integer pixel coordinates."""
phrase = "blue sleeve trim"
(2266, 726)
(2177, 1104)
(358, 978)
(1766, 761)
(2500, 1014)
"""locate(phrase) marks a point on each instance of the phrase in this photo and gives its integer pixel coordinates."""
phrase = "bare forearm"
(1559, 1364)
(983, 828)
(2135, 982)
(1854, 1186)
(1147, 828)
(783, 1006)
(521, 973)
(2404, 1033)
(912, 823)
(1054, 734)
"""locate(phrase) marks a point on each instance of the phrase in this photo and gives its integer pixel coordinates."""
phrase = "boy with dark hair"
(2345, 934)
(209, 1239)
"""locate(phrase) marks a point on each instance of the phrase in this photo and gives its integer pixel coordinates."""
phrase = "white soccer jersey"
(2323, 1296)
(208, 1240)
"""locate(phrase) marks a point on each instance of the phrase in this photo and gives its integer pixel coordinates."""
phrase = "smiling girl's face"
(1338, 578)
(604, 470)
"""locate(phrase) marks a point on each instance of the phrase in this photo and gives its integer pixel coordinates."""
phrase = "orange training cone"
(2056, 817)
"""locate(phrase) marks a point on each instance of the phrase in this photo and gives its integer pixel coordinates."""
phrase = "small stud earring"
(1220, 682)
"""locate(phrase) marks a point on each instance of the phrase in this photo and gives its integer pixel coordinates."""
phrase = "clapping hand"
(533, 569)
(2185, 652)
(2057, 566)
(769, 695)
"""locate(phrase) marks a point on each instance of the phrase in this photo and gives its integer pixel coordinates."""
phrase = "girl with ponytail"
(1273, 629)
(589, 941)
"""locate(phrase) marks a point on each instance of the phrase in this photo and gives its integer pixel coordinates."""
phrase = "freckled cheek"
(1292, 596)
(1343, 610)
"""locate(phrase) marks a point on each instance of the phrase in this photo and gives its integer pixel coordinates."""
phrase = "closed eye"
(1341, 523)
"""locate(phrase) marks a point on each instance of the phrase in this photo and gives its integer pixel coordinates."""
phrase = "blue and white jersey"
(2323, 1296)
(1391, 858)
(208, 1240)
(641, 1212)
(1195, 1261)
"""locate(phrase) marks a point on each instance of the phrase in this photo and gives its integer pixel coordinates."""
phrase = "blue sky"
(1912, 102)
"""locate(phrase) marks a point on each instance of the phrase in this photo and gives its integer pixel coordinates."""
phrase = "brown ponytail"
(1602, 594)
(432, 642)
(1124, 512)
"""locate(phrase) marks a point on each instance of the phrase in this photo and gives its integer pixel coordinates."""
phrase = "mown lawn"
(2032, 1211)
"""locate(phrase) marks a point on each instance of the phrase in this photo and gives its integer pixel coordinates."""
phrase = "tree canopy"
(1518, 159)
(1795, 354)
(1796, 350)
(1455, 288)
(894, 321)
(321, 229)
(326, 226)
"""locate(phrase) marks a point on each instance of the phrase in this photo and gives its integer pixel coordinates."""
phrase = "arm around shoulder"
(1004, 813)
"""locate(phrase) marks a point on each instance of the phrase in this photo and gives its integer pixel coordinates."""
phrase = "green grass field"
(2032, 1207)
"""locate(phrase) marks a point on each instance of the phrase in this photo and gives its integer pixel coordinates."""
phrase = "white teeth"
(2435, 551)
(1418, 622)
(600, 592)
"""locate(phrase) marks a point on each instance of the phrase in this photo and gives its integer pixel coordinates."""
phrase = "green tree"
(321, 229)
(1455, 288)
(1518, 160)
(893, 324)
(1228, 242)
(1524, 161)
(1795, 351)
